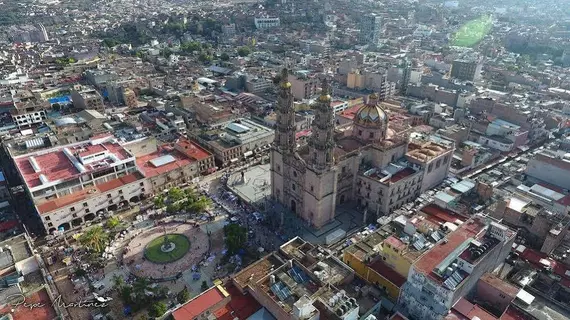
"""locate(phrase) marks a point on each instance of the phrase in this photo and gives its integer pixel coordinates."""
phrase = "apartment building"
(303, 85)
(468, 70)
(268, 22)
(88, 99)
(449, 270)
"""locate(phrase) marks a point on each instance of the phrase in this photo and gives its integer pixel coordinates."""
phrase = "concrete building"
(236, 140)
(72, 184)
(265, 23)
(120, 95)
(550, 166)
(371, 80)
(303, 86)
(88, 99)
(451, 269)
(27, 110)
(468, 70)
(369, 164)
(370, 29)
(301, 281)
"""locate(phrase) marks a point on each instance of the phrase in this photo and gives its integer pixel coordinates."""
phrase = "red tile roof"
(46, 312)
(440, 215)
(440, 251)
(388, 273)
(149, 170)
(395, 242)
(513, 313)
(55, 165)
(402, 174)
(195, 307)
(192, 150)
(465, 310)
(242, 306)
(500, 284)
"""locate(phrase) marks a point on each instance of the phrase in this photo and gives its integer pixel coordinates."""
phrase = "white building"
(264, 23)
(72, 184)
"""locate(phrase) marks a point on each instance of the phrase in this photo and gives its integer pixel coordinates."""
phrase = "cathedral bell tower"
(321, 143)
(285, 127)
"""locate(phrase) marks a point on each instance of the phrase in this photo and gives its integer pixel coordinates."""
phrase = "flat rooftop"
(427, 263)
(257, 271)
(150, 166)
(21, 312)
(68, 162)
(195, 307)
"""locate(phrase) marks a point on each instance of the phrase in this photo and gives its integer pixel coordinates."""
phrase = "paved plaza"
(139, 266)
(255, 185)
(255, 188)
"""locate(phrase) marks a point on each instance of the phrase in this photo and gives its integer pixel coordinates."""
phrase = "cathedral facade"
(371, 165)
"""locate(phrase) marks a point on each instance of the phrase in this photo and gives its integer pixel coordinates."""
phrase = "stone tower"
(321, 143)
(321, 176)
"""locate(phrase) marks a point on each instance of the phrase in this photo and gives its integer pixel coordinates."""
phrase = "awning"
(234, 160)
(248, 153)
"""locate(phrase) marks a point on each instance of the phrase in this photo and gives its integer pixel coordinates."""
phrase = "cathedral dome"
(371, 114)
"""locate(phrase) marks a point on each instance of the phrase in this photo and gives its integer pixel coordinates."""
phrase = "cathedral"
(372, 165)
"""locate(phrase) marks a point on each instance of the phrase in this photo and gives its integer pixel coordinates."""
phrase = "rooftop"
(21, 312)
(427, 263)
(195, 307)
(387, 272)
(240, 306)
(152, 165)
(64, 163)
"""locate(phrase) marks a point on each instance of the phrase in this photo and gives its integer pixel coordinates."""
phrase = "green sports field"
(472, 32)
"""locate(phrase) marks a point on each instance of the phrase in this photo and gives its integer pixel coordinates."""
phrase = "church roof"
(371, 114)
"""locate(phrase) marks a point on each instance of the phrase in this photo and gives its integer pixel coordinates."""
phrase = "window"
(293, 186)
(278, 168)
(312, 188)
(438, 164)
(371, 135)
(446, 159)
(86, 210)
(295, 174)
(343, 169)
(110, 201)
(502, 295)
(141, 184)
(72, 209)
(48, 218)
(74, 215)
(109, 196)
(50, 224)
(359, 132)
(430, 167)
(120, 191)
(85, 204)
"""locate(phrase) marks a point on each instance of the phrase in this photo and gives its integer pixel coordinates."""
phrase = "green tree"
(113, 222)
(95, 239)
(225, 57)
(204, 286)
(173, 208)
(175, 194)
(200, 204)
(183, 296)
(244, 51)
(236, 236)
(159, 201)
(157, 309)
(191, 46)
(204, 57)
(118, 282)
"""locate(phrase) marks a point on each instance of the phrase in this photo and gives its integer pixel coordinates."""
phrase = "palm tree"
(95, 239)
(140, 286)
(118, 282)
(113, 222)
